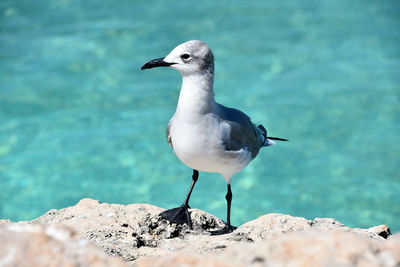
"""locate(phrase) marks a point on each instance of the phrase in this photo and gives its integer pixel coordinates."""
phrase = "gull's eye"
(185, 56)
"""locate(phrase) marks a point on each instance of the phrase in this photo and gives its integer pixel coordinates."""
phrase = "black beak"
(159, 62)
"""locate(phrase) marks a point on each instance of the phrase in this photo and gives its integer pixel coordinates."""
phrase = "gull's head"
(192, 57)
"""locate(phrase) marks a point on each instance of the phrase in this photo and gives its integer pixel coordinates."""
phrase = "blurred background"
(79, 119)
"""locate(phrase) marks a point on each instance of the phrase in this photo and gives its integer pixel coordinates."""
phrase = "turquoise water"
(79, 119)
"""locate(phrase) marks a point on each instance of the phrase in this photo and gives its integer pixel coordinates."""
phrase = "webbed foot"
(179, 215)
(226, 230)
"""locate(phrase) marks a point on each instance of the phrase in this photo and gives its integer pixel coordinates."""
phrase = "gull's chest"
(200, 145)
(200, 135)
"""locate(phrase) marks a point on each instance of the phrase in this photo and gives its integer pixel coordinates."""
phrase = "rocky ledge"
(99, 234)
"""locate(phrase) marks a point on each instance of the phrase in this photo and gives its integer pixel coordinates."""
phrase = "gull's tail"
(268, 139)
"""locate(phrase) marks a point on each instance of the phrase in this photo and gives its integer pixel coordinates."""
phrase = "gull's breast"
(200, 145)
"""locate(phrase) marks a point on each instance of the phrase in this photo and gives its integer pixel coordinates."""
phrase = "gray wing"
(169, 141)
(243, 132)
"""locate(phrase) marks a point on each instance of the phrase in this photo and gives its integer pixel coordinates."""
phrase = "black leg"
(181, 214)
(229, 201)
(195, 176)
(228, 227)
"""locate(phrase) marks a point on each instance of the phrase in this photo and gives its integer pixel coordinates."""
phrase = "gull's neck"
(197, 94)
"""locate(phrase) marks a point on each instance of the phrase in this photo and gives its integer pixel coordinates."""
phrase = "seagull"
(205, 135)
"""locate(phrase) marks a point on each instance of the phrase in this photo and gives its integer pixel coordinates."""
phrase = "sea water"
(79, 119)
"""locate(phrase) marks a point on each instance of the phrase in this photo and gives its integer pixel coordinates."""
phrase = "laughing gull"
(207, 136)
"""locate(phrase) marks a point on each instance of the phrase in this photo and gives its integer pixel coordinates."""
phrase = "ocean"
(79, 119)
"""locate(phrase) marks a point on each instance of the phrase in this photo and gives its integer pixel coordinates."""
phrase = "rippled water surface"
(79, 119)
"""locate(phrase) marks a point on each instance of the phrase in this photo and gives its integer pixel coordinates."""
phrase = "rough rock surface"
(135, 231)
(39, 245)
(294, 249)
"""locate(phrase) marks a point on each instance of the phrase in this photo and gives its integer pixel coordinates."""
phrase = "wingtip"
(277, 138)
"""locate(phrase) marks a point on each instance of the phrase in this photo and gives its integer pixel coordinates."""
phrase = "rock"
(272, 225)
(381, 230)
(309, 248)
(186, 259)
(39, 245)
(5, 222)
(128, 231)
(269, 226)
(135, 231)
